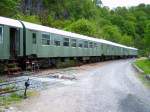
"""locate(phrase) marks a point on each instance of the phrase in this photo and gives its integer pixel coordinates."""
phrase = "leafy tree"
(8, 7)
(61, 24)
(81, 9)
(147, 39)
(111, 32)
(32, 19)
(82, 26)
(141, 18)
(128, 28)
(127, 40)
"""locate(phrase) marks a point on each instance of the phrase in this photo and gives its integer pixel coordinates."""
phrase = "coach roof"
(37, 27)
(10, 22)
(31, 26)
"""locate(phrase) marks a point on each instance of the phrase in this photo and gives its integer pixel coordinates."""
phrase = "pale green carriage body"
(34, 42)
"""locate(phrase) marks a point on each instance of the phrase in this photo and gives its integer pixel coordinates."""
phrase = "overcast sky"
(127, 3)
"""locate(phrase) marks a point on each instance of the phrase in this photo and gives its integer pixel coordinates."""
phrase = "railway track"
(4, 86)
(9, 87)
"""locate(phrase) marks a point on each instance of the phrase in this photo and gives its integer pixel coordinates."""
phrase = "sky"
(127, 3)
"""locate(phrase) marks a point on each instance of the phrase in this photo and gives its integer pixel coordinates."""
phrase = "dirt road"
(111, 87)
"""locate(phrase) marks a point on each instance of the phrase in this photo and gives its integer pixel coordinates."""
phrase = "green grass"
(144, 64)
(13, 98)
(6, 101)
(1, 81)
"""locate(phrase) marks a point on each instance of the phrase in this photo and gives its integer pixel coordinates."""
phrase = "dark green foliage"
(111, 32)
(31, 18)
(146, 39)
(129, 26)
(8, 7)
(82, 26)
(76, 9)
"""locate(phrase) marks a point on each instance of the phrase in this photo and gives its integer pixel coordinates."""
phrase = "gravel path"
(109, 87)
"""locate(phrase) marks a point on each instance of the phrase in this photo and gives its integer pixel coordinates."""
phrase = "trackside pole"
(27, 84)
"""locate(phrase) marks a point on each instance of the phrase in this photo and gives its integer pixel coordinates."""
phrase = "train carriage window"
(1, 34)
(57, 41)
(80, 45)
(95, 45)
(34, 38)
(73, 42)
(66, 42)
(46, 39)
(85, 44)
(91, 44)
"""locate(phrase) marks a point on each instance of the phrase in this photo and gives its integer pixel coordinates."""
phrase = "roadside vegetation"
(128, 26)
(144, 65)
(14, 98)
(1, 80)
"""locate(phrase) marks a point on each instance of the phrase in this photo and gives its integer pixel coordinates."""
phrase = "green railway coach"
(19, 39)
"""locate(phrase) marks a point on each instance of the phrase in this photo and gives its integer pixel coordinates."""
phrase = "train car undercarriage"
(32, 63)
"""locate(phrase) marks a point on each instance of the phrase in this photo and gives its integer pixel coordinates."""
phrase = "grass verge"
(1, 80)
(5, 101)
(14, 98)
(144, 65)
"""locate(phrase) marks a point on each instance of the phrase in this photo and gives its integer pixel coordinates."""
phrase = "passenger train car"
(21, 40)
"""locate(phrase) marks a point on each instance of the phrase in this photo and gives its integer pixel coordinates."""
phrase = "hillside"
(126, 26)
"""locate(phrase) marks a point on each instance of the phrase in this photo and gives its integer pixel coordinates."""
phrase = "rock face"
(36, 6)
(32, 6)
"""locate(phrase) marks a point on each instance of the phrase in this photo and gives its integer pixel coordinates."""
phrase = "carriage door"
(14, 42)
(34, 43)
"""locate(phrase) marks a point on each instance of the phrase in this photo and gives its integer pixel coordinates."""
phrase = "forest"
(128, 26)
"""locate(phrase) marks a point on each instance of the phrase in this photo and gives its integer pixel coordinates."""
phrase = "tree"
(127, 40)
(141, 18)
(8, 7)
(82, 26)
(32, 19)
(111, 32)
(147, 39)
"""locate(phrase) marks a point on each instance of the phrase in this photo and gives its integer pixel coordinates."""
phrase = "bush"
(82, 26)
(32, 18)
(144, 65)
